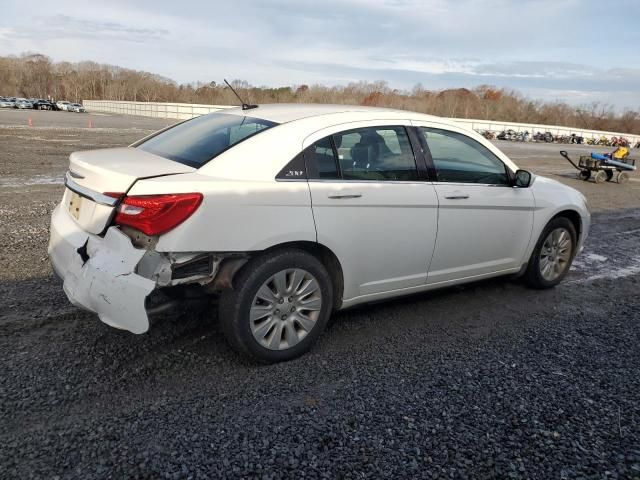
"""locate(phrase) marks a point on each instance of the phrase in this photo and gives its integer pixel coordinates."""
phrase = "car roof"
(289, 112)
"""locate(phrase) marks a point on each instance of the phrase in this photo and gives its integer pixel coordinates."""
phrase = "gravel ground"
(490, 380)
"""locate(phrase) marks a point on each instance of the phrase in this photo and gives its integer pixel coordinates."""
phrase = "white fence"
(187, 110)
(180, 111)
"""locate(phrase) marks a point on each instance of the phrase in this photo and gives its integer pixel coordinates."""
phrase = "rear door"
(484, 223)
(373, 206)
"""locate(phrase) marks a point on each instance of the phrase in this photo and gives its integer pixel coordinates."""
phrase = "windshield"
(199, 140)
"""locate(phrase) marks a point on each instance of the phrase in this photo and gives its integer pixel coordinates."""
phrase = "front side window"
(199, 140)
(371, 153)
(460, 159)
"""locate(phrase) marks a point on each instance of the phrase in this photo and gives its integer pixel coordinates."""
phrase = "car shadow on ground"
(469, 309)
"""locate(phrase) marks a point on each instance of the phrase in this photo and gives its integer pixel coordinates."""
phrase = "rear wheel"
(280, 305)
(553, 254)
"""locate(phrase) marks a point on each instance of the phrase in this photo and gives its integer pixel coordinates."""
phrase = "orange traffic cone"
(30, 122)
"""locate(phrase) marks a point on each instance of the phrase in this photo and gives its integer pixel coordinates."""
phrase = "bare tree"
(35, 75)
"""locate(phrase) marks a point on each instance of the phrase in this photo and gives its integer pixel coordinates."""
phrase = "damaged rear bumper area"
(112, 278)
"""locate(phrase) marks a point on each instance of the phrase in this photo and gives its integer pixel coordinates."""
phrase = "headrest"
(371, 137)
(362, 154)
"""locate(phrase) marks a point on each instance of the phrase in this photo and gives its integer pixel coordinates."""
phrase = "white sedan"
(75, 107)
(23, 103)
(291, 212)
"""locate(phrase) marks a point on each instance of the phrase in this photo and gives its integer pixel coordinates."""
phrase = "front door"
(484, 224)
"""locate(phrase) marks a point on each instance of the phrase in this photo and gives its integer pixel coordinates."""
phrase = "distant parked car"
(75, 107)
(62, 105)
(41, 104)
(507, 135)
(7, 103)
(23, 103)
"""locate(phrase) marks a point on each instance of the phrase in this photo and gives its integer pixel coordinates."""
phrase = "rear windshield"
(197, 141)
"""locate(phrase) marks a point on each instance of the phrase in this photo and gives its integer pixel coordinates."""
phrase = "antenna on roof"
(245, 106)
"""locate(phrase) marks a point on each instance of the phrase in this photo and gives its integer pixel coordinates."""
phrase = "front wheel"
(280, 305)
(622, 177)
(553, 254)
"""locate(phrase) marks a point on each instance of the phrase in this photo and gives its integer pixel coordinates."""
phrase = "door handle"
(345, 196)
(457, 196)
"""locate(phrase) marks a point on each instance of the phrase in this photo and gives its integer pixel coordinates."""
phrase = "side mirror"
(522, 179)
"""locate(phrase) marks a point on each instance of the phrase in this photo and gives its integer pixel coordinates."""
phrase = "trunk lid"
(95, 174)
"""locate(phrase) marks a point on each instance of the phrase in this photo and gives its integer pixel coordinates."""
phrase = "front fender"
(553, 198)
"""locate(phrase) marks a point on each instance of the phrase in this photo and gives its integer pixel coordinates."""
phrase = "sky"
(576, 51)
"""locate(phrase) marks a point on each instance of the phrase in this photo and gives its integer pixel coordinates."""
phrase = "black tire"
(584, 175)
(600, 177)
(609, 175)
(533, 277)
(235, 305)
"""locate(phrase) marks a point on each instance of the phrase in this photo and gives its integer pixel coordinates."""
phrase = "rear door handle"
(457, 196)
(340, 196)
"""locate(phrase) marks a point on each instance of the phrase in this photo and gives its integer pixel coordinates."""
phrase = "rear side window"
(323, 157)
(201, 139)
(371, 153)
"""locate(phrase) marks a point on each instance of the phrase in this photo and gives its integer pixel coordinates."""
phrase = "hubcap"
(285, 309)
(555, 254)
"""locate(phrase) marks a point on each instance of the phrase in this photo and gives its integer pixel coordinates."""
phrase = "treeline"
(35, 75)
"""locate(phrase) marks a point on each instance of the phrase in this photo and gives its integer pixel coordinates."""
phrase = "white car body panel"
(235, 216)
(392, 238)
(487, 232)
(116, 169)
(551, 198)
(384, 239)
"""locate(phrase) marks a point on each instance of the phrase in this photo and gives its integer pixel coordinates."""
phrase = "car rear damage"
(116, 279)
(102, 241)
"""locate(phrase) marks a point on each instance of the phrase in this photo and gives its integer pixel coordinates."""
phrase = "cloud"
(538, 47)
(64, 26)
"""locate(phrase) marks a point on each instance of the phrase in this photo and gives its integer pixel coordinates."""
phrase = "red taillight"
(157, 214)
